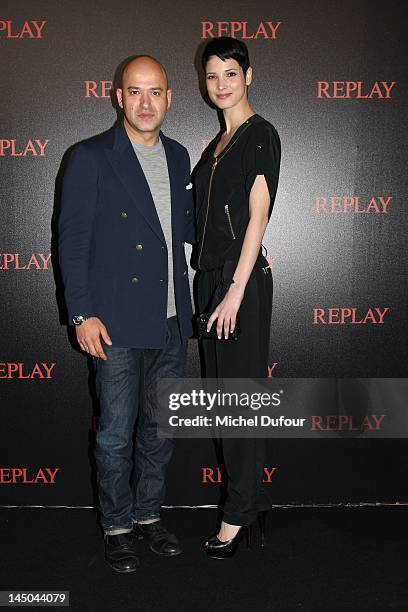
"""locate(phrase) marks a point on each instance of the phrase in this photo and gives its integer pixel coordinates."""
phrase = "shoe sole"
(124, 571)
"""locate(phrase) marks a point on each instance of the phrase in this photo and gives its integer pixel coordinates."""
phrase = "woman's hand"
(226, 312)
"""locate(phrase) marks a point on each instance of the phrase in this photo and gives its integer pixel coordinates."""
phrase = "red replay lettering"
(19, 370)
(18, 475)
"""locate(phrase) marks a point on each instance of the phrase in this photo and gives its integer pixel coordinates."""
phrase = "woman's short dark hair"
(226, 47)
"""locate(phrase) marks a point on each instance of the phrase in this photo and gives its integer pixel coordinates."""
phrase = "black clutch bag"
(202, 321)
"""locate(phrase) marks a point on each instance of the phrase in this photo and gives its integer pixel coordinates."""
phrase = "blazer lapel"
(124, 162)
(173, 175)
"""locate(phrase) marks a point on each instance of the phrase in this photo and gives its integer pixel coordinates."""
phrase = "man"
(126, 213)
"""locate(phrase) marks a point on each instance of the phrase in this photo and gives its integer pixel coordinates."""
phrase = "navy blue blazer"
(112, 250)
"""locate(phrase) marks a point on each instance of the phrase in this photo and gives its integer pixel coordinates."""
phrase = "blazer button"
(139, 247)
(124, 215)
(162, 280)
(188, 211)
(185, 272)
(135, 280)
(163, 248)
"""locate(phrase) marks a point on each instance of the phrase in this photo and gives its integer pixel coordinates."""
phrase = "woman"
(235, 184)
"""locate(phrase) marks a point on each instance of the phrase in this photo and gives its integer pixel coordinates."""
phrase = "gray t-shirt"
(154, 165)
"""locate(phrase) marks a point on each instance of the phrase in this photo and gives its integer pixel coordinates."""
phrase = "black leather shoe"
(161, 541)
(120, 552)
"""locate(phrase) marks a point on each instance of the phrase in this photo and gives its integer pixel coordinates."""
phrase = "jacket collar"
(127, 167)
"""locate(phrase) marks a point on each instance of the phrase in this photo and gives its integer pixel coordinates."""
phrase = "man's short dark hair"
(225, 48)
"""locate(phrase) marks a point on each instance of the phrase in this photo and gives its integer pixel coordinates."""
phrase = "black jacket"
(223, 185)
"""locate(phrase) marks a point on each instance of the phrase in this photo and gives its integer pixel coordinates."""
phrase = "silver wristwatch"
(79, 319)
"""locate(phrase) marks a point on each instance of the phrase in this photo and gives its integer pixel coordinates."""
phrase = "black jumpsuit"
(222, 186)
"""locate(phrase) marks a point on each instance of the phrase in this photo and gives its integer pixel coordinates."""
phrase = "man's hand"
(88, 336)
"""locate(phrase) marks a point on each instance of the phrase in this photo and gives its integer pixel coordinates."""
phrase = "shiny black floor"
(315, 559)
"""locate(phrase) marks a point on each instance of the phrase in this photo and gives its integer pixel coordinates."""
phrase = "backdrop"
(330, 77)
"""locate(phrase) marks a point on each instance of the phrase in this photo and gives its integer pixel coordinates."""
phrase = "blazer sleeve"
(78, 205)
(262, 157)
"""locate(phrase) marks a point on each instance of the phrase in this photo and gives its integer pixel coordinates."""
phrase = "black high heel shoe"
(216, 549)
(223, 550)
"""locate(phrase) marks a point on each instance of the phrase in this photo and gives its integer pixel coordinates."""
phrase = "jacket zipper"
(208, 206)
(227, 212)
(215, 163)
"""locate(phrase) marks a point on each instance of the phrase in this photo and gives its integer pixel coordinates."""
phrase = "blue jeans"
(131, 477)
